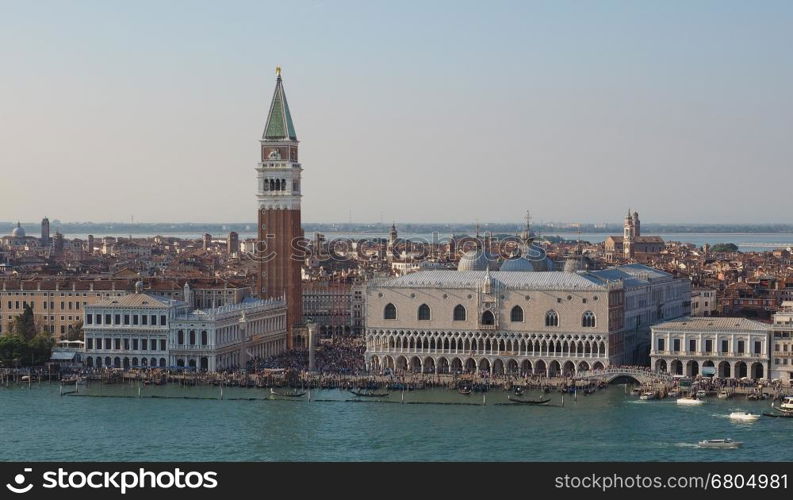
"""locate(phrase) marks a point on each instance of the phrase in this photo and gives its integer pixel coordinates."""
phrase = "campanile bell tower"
(280, 233)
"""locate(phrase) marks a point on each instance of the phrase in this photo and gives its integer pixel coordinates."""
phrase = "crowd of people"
(341, 355)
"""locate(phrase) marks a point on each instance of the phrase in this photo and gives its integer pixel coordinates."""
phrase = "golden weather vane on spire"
(278, 71)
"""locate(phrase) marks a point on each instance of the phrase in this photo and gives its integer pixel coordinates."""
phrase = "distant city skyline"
(441, 112)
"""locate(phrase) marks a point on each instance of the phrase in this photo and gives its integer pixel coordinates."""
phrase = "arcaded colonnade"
(723, 369)
(494, 352)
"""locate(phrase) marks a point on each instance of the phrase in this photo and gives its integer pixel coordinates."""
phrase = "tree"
(12, 349)
(724, 247)
(24, 325)
(76, 332)
(39, 349)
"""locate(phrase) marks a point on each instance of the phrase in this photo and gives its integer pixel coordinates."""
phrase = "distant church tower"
(629, 233)
(45, 232)
(279, 196)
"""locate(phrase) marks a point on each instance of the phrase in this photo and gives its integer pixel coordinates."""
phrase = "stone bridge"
(608, 375)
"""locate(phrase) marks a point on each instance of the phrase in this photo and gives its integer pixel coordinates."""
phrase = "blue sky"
(408, 111)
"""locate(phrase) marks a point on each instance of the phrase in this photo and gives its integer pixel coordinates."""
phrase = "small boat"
(674, 393)
(689, 401)
(786, 405)
(529, 401)
(701, 394)
(369, 394)
(293, 394)
(720, 444)
(518, 391)
(753, 397)
(778, 415)
(743, 416)
(724, 395)
(647, 395)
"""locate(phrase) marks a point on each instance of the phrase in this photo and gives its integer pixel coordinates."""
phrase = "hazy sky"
(408, 111)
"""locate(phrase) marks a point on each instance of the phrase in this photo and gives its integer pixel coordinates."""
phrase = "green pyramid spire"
(279, 121)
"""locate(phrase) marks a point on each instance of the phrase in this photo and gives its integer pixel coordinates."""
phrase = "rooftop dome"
(477, 260)
(18, 231)
(517, 264)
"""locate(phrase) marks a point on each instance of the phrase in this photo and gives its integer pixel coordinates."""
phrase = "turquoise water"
(38, 425)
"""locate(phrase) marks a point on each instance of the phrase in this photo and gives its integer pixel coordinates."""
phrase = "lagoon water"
(40, 425)
(747, 242)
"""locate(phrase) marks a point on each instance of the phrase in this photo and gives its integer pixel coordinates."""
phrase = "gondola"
(465, 391)
(529, 401)
(369, 394)
(518, 391)
(287, 394)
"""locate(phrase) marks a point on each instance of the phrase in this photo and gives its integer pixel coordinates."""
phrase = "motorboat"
(701, 394)
(720, 444)
(647, 395)
(674, 393)
(743, 416)
(786, 405)
(723, 394)
(689, 401)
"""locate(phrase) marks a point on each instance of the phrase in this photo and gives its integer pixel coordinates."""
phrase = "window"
(180, 338)
(676, 345)
(516, 315)
(459, 313)
(692, 345)
(488, 318)
(89, 318)
(134, 344)
(424, 312)
(162, 320)
(192, 337)
(390, 312)
(588, 320)
(724, 345)
(144, 344)
(709, 345)
(89, 343)
(204, 338)
(118, 319)
(660, 345)
(551, 318)
(741, 347)
(757, 347)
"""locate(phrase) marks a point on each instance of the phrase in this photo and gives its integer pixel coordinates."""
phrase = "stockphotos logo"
(19, 483)
(121, 481)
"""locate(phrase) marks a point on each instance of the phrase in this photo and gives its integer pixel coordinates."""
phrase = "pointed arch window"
(588, 320)
(459, 313)
(551, 318)
(390, 311)
(488, 318)
(516, 315)
(424, 312)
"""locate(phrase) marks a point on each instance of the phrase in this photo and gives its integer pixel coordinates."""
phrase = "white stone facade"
(782, 344)
(729, 347)
(548, 323)
(142, 330)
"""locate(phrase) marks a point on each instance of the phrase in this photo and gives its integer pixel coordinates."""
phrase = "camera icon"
(19, 480)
